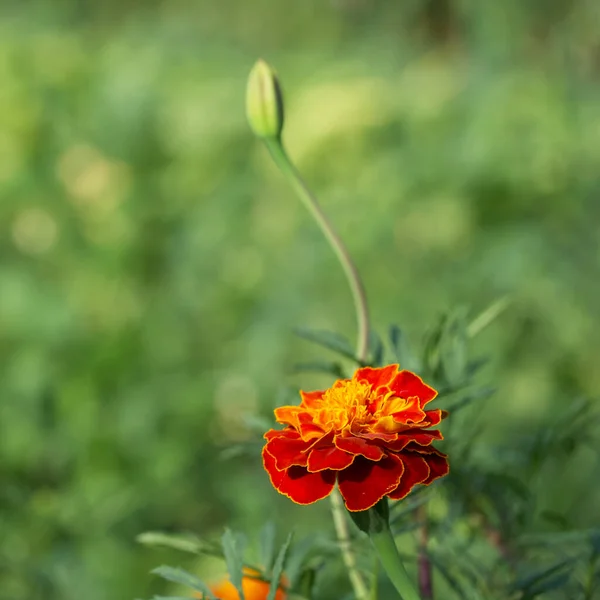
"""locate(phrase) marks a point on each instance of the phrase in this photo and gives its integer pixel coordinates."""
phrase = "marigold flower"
(254, 589)
(369, 433)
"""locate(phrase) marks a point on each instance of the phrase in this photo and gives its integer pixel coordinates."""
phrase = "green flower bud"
(264, 101)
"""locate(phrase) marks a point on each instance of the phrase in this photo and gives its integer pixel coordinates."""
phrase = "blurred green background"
(154, 262)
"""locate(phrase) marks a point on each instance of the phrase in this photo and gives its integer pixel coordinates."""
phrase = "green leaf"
(375, 519)
(453, 350)
(278, 568)
(553, 583)
(156, 538)
(399, 510)
(328, 339)
(233, 549)
(297, 558)
(465, 401)
(560, 537)
(320, 366)
(453, 582)
(375, 350)
(267, 545)
(534, 581)
(177, 575)
(401, 350)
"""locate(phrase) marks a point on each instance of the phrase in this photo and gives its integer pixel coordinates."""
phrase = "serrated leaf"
(320, 366)
(267, 545)
(328, 339)
(278, 568)
(233, 550)
(178, 575)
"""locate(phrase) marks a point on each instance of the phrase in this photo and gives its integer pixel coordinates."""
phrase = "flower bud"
(264, 101)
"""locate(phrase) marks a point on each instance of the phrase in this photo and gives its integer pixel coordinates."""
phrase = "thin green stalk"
(310, 202)
(343, 536)
(375, 578)
(385, 546)
(362, 347)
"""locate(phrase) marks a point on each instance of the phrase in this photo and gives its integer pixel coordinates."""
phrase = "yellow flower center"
(343, 404)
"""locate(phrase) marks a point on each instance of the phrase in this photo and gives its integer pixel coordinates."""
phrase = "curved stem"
(385, 546)
(362, 346)
(310, 202)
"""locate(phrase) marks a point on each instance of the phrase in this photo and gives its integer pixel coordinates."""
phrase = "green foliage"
(154, 265)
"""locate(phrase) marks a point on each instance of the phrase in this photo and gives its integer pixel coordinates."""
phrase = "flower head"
(370, 433)
(253, 588)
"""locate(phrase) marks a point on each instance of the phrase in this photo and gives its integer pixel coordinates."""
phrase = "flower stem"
(424, 565)
(343, 536)
(385, 546)
(310, 202)
(359, 296)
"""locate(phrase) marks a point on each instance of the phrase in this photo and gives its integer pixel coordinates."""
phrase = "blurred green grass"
(154, 262)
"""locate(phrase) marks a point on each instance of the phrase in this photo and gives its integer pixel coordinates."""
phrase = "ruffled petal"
(418, 437)
(411, 413)
(434, 417)
(377, 435)
(289, 415)
(438, 464)
(377, 377)
(288, 449)
(356, 445)
(297, 483)
(365, 482)
(328, 457)
(311, 400)
(416, 470)
(407, 384)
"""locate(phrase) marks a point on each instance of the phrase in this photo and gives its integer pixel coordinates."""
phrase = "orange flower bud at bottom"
(254, 589)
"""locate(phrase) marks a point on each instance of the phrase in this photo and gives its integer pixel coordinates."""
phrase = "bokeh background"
(154, 262)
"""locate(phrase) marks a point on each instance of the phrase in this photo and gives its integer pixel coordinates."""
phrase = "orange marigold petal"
(328, 457)
(437, 463)
(357, 445)
(288, 450)
(378, 435)
(288, 415)
(377, 377)
(407, 384)
(434, 417)
(311, 399)
(365, 482)
(411, 413)
(254, 589)
(297, 483)
(417, 437)
(416, 470)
